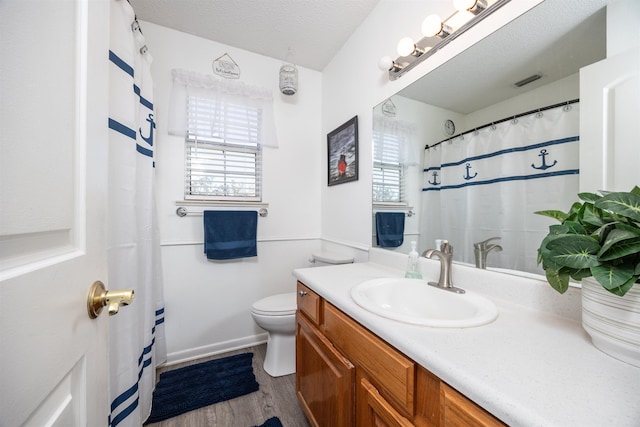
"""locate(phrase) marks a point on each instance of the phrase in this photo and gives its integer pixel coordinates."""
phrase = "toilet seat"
(276, 305)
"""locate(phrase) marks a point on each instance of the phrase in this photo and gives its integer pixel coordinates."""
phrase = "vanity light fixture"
(438, 33)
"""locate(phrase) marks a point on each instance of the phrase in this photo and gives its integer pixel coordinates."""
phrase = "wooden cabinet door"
(376, 411)
(458, 411)
(324, 378)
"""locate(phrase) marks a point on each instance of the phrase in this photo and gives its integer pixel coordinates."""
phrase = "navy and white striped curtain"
(136, 334)
(490, 182)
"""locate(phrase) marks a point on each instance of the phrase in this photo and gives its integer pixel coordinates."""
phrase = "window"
(388, 170)
(225, 125)
(223, 150)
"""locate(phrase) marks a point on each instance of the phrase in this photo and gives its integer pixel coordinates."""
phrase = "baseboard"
(213, 349)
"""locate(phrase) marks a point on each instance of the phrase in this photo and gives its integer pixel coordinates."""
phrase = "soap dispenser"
(412, 264)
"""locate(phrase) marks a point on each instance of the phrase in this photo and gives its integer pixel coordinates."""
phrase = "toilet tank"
(328, 258)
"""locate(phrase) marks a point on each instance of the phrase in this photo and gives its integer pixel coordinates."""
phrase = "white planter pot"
(613, 322)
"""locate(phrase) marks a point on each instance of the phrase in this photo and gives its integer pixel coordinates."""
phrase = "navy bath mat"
(271, 422)
(192, 387)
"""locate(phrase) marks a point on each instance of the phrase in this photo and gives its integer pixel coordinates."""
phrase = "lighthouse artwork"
(342, 151)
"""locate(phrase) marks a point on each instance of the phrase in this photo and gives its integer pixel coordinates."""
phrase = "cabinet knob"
(302, 293)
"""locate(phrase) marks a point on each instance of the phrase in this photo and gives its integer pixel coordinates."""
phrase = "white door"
(609, 123)
(53, 185)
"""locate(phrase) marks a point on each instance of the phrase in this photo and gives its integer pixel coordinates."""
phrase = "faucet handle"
(446, 248)
(483, 244)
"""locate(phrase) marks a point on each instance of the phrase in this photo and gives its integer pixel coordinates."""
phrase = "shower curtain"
(136, 333)
(489, 182)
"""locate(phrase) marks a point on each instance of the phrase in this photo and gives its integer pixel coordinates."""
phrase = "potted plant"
(599, 240)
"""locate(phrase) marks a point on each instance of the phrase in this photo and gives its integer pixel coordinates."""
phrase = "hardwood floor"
(275, 398)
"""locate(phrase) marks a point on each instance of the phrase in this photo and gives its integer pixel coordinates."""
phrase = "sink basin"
(413, 301)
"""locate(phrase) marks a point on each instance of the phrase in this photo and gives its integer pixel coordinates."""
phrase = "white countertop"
(529, 367)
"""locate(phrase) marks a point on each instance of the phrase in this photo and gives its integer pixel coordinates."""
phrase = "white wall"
(208, 303)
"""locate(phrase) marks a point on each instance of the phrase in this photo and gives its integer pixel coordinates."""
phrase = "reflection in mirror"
(486, 171)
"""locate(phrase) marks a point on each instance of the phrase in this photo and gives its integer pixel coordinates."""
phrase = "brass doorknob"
(99, 298)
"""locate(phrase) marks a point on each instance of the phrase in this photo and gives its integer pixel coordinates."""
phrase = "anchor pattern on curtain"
(490, 181)
(136, 334)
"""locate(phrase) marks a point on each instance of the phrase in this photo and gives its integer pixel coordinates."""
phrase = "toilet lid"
(276, 305)
(330, 258)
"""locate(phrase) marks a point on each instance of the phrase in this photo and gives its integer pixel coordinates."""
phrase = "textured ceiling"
(314, 29)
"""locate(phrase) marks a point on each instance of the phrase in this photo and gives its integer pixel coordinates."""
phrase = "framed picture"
(342, 153)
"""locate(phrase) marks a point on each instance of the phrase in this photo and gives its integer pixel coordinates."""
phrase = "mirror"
(476, 88)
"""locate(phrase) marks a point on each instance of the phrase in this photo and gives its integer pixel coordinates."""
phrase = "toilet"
(276, 314)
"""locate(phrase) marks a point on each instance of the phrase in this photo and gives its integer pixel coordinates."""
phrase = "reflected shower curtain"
(489, 182)
(136, 333)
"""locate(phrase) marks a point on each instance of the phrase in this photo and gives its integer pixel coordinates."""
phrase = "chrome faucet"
(445, 255)
(481, 249)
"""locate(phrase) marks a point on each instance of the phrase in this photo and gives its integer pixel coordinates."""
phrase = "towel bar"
(182, 211)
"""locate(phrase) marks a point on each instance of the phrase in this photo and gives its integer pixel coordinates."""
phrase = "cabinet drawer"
(309, 303)
(394, 373)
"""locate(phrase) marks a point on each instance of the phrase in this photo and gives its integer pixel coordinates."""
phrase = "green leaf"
(620, 291)
(559, 215)
(613, 276)
(558, 229)
(589, 197)
(621, 250)
(573, 227)
(625, 204)
(589, 214)
(575, 208)
(558, 281)
(633, 227)
(574, 251)
(619, 243)
(580, 274)
(636, 190)
(544, 254)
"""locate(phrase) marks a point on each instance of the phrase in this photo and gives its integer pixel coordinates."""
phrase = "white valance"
(404, 132)
(188, 84)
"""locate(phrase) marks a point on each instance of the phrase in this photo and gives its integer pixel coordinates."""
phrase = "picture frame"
(342, 153)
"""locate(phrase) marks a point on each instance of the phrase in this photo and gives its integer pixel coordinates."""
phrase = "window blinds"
(223, 153)
(388, 171)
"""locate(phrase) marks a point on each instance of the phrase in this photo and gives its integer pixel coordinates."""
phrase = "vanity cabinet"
(347, 376)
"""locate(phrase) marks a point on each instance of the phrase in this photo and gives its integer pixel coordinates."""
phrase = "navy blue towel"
(389, 229)
(230, 234)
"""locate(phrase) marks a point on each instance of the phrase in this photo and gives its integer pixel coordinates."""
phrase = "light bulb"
(406, 46)
(463, 5)
(385, 63)
(431, 26)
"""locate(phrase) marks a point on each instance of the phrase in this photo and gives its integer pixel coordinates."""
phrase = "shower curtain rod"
(538, 110)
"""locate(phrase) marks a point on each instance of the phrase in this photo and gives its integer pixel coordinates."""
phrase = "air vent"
(528, 80)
